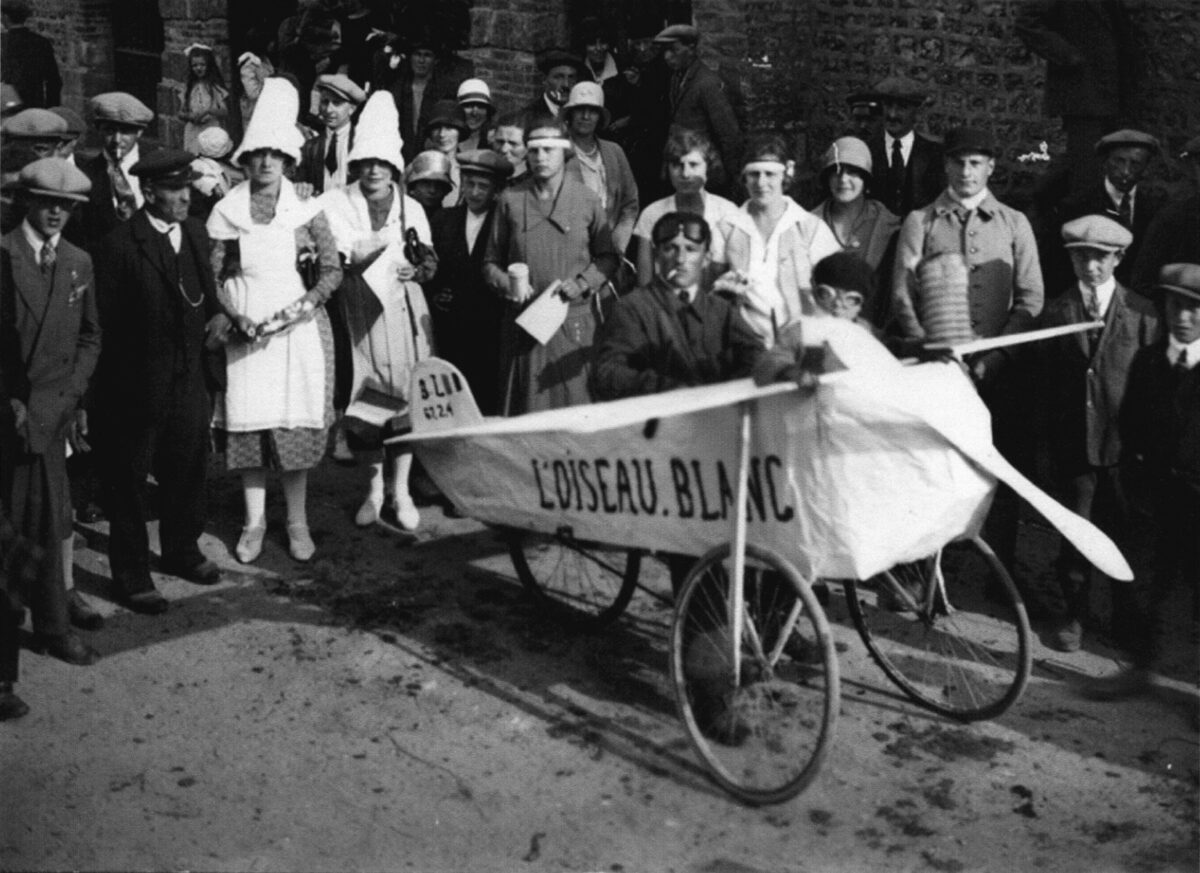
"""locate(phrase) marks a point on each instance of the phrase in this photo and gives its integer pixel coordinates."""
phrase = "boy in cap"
(1160, 431)
(467, 314)
(49, 344)
(120, 119)
(1084, 379)
(323, 159)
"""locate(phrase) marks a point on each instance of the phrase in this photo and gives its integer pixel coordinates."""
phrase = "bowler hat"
(54, 177)
(169, 167)
(971, 140)
(1180, 279)
(447, 113)
(1096, 232)
(896, 89)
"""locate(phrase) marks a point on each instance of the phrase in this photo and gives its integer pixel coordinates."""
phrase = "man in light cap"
(1161, 435)
(49, 343)
(41, 129)
(120, 119)
(153, 385)
(1004, 295)
(1083, 380)
(323, 160)
(907, 164)
(696, 96)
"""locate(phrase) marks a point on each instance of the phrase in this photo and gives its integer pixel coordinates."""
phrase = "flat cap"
(55, 177)
(1096, 232)
(10, 99)
(35, 124)
(76, 126)
(552, 58)
(343, 86)
(1191, 149)
(1127, 137)
(166, 167)
(898, 89)
(484, 161)
(118, 107)
(970, 139)
(1180, 279)
(678, 33)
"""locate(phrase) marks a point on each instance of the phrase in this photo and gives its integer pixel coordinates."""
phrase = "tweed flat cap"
(343, 86)
(35, 124)
(1096, 232)
(55, 177)
(1180, 279)
(117, 107)
(900, 89)
(484, 161)
(166, 167)
(678, 33)
(1127, 137)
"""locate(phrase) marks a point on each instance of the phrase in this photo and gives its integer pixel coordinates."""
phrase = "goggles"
(693, 227)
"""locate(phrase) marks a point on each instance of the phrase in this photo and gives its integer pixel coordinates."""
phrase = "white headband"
(197, 46)
(765, 165)
(549, 142)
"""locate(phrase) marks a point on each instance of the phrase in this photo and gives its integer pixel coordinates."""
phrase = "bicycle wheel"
(950, 630)
(763, 732)
(587, 585)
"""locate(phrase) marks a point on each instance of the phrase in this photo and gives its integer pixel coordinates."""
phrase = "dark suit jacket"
(49, 335)
(1161, 417)
(27, 63)
(924, 175)
(703, 106)
(1091, 51)
(467, 313)
(1173, 237)
(1085, 382)
(98, 217)
(440, 87)
(155, 338)
(1095, 201)
(311, 168)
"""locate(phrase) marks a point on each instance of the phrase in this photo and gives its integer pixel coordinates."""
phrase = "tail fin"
(441, 398)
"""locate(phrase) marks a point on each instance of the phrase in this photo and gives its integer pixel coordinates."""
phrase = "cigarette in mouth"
(672, 274)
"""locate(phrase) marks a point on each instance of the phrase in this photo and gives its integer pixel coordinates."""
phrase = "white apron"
(278, 382)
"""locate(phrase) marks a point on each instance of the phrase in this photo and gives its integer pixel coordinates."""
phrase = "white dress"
(386, 344)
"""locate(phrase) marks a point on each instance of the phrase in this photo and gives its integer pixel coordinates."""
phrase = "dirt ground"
(400, 704)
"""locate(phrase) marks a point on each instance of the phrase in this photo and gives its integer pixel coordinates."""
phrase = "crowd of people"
(265, 291)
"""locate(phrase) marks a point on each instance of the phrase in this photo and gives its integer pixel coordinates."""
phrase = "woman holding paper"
(552, 224)
(278, 265)
(383, 306)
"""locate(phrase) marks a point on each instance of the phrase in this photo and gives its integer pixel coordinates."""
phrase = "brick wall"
(802, 57)
(81, 31)
(186, 22)
(505, 34)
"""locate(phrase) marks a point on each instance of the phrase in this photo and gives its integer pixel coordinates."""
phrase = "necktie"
(48, 257)
(122, 190)
(684, 297)
(331, 161)
(174, 237)
(1125, 211)
(896, 171)
(1181, 363)
(1091, 304)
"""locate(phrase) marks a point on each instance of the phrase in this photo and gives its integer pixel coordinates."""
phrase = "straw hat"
(273, 124)
(377, 134)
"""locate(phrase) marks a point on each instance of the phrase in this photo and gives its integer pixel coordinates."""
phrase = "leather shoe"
(66, 647)
(203, 573)
(1067, 637)
(144, 602)
(11, 706)
(81, 613)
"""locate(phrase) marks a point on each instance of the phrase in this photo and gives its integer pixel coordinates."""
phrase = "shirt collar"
(1115, 194)
(131, 158)
(1104, 293)
(36, 240)
(158, 224)
(975, 201)
(906, 141)
(1174, 347)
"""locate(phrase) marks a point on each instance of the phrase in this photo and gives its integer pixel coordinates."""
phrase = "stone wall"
(505, 35)
(186, 22)
(802, 57)
(81, 31)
